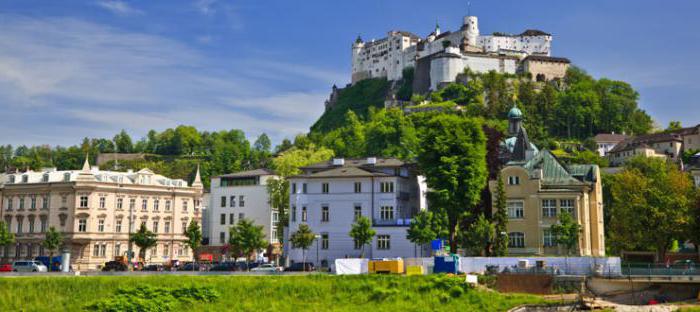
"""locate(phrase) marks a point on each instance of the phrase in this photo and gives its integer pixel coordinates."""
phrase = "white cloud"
(205, 7)
(118, 7)
(64, 79)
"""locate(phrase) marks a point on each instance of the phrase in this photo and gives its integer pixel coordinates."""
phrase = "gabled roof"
(343, 172)
(609, 137)
(644, 140)
(553, 172)
(248, 173)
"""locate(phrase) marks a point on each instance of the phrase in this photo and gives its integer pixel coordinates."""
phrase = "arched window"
(540, 77)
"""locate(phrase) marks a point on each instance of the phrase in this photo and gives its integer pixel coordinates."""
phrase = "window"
(241, 201)
(144, 205)
(101, 225)
(222, 219)
(118, 226)
(567, 205)
(167, 205)
(515, 210)
(166, 227)
(358, 212)
(120, 203)
(223, 201)
(156, 204)
(303, 214)
(324, 241)
(325, 214)
(513, 180)
(222, 237)
(233, 201)
(303, 188)
(383, 242)
(155, 226)
(357, 244)
(66, 177)
(103, 250)
(82, 225)
(185, 204)
(9, 203)
(549, 208)
(96, 250)
(143, 223)
(132, 204)
(117, 249)
(184, 226)
(31, 225)
(358, 187)
(32, 204)
(83, 201)
(241, 216)
(166, 250)
(516, 240)
(294, 188)
(275, 216)
(386, 187)
(43, 224)
(230, 218)
(548, 238)
(294, 213)
(324, 188)
(21, 203)
(386, 213)
(102, 202)
(45, 202)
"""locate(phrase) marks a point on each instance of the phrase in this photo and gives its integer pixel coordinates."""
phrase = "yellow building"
(539, 188)
(92, 209)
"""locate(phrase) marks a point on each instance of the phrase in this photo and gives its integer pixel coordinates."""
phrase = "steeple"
(86, 164)
(85, 175)
(515, 119)
(437, 28)
(197, 179)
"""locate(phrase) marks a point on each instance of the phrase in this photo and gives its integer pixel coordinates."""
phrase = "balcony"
(391, 222)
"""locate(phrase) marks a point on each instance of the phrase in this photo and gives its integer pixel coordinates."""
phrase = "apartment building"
(241, 195)
(329, 197)
(96, 211)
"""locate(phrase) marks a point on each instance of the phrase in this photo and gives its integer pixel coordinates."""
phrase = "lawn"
(259, 293)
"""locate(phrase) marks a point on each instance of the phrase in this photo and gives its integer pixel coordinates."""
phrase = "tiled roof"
(343, 172)
(642, 140)
(553, 172)
(249, 173)
(610, 137)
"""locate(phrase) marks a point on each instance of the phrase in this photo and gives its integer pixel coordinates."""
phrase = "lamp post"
(317, 237)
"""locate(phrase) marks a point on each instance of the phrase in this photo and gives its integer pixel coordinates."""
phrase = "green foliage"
(567, 231)
(478, 237)
(144, 239)
(302, 238)
(649, 193)
(500, 220)
(194, 237)
(263, 143)
(288, 163)
(357, 98)
(278, 192)
(362, 232)
(674, 125)
(246, 238)
(52, 240)
(425, 227)
(405, 91)
(153, 299)
(6, 237)
(453, 159)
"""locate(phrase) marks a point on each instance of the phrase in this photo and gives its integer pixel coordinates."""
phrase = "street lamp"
(317, 237)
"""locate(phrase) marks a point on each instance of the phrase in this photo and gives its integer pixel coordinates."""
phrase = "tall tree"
(263, 143)
(303, 238)
(52, 241)
(247, 238)
(123, 142)
(362, 232)
(479, 237)
(500, 220)
(194, 239)
(453, 158)
(144, 239)
(6, 237)
(566, 231)
(278, 192)
(424, 228)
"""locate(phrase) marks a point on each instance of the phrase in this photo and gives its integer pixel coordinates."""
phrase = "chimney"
(338, 161)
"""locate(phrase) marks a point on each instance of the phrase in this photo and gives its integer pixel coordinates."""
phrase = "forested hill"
(576, 108)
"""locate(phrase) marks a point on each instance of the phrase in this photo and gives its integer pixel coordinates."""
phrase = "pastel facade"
(330, 196)
(605, 142)
(664, 145)
(95, 211)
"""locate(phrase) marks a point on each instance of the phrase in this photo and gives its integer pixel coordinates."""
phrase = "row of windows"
(517, 239)
(384, 187)
(383, 242)
(44, 178)
(385, 213)
(516, 209)
(231, 219)
(19, 226)
(232, 201)
(119, 226)
(33, 202)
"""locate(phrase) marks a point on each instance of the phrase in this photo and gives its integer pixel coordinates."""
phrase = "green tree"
(479, 237)
(674, 125)
(194, 238)
(649, 193)
(263, 143)
(453, 158)
(500, 220)
(303, 238)
(247, 238)
(390, 133)
(6, 237)
(424, 228)
(288, 163)
(144, 239)
(278, 192)
(566, 232)
(123, 142)
(362, 233)
(52, 241)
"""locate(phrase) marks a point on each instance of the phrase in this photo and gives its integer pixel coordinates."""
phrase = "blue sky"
(70, 69)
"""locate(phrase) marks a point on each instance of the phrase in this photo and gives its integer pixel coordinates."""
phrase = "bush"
(456, 291)
(153, 299)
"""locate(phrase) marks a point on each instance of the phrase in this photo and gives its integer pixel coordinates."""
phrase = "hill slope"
(358, 98)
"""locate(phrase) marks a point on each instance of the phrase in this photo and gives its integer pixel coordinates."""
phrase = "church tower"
(515, 121)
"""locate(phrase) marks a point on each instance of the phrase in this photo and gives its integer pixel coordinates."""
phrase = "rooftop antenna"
(469, 8)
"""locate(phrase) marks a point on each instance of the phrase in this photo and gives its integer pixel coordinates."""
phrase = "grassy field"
(259, 293)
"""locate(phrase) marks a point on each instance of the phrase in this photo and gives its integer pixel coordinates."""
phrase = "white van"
(28, 266)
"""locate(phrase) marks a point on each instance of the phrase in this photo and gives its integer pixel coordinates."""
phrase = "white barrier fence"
(607, 266)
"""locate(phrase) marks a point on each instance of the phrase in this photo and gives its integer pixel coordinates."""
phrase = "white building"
(241, 195)
(605, 142)
(330, 196)
(465, 48)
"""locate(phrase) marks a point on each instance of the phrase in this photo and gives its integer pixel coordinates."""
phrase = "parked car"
(265, 267)
(28, 266)
(300, 267)
(114, 266)
(153, 267)
(189, 267)
(224, 266)
(5, 267)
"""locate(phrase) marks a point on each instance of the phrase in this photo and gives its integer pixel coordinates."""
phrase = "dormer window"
(66, 177)
(45, 178)
(12, 179)
(25, 178)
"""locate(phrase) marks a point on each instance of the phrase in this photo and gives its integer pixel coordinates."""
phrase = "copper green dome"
(515, 113)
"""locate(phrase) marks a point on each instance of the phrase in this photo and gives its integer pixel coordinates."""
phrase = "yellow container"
(414, 270)
(386, 266)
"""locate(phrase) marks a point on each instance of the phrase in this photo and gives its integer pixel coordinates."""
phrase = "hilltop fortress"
(441, 56)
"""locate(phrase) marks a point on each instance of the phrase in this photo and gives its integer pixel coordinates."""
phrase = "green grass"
(267, 293)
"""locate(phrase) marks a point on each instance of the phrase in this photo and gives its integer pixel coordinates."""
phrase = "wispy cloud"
(62, 79)
(205, 7)
(118, 7)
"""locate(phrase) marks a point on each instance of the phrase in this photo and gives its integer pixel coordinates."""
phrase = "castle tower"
(470, 28)
(357, 47)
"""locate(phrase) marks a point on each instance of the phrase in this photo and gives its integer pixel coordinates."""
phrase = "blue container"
(446, 264)
(436, 245)
(54, 266)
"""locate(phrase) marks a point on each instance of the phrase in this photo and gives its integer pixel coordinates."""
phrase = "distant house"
(691, 138)
(667, 144)
(607, 141)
